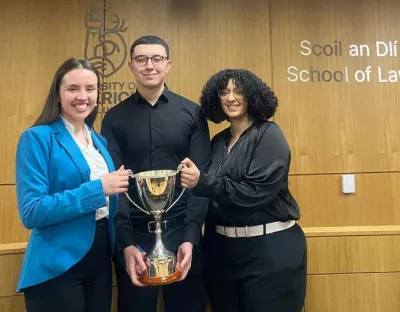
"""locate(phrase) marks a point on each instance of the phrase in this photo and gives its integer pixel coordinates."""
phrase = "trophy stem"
(158, 245)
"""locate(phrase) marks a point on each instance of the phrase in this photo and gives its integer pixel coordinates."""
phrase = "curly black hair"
(262, 102)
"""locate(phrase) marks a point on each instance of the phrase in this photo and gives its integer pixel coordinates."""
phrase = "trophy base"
(161, 267)
(160, 280)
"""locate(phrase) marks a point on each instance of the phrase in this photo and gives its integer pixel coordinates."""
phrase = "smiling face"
(150, 65)
(233, 102)
(78, 94)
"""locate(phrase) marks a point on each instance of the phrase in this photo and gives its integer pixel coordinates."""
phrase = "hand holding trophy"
(156, 190)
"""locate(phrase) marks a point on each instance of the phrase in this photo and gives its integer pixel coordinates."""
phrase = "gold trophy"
(156, 189)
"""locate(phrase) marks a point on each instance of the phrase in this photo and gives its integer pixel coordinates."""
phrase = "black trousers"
(258, 274)
(86, 287)
(185, 296)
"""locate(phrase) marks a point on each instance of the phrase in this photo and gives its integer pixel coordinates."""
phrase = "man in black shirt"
(156, 129)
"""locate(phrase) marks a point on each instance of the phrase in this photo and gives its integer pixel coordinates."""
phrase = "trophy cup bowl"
(156, 189)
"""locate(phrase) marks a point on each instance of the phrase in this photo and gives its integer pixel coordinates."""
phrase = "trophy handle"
(131, 175)
(179, 169)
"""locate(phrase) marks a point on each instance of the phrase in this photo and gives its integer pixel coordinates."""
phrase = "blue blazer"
(57, 200)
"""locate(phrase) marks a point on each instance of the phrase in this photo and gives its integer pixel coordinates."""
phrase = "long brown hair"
(52, 108)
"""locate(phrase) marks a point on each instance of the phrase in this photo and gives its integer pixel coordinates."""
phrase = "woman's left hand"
(189, 174)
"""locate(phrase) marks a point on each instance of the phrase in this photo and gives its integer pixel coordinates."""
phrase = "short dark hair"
(262, 102)
(150, 40)
(52, 108)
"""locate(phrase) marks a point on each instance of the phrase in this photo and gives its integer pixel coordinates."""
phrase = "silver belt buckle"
(149, 226)
(153, 222)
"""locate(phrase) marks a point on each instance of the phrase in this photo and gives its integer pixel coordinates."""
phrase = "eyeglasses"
(155, 59)
(224, 94)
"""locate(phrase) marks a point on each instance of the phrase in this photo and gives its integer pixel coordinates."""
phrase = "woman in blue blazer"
(67, 195)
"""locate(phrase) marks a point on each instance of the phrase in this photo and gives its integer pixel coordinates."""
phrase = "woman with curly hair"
(255, 252)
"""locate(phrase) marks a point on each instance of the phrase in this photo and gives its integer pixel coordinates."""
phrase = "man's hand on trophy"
(184, 259)
(135, 264)
(115, 182)
(189, 174)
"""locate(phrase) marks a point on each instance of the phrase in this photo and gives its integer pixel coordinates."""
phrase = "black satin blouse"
(249, 186)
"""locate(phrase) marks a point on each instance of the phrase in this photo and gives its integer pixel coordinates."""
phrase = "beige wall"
(332, 128)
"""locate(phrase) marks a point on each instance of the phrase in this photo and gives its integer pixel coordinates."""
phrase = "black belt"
(146, 226)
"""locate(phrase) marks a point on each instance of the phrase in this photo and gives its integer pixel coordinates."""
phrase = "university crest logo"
(105, 47)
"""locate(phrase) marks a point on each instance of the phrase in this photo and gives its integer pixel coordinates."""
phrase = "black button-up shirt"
(146, 137)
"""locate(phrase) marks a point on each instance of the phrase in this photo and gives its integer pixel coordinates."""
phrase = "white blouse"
(97, 165)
